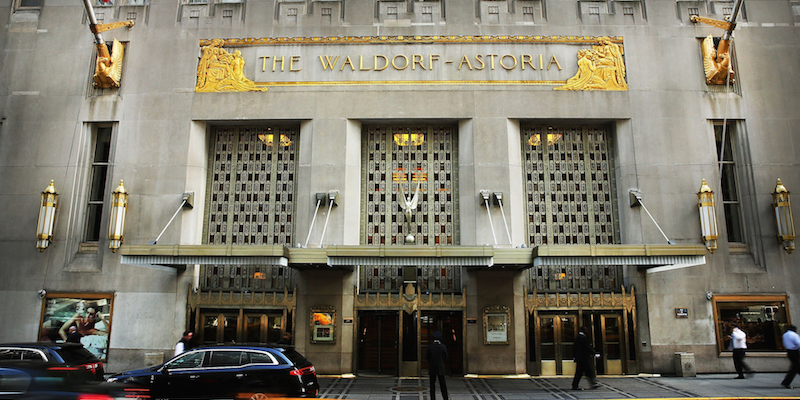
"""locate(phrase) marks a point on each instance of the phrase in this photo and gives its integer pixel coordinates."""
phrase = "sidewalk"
(717, 386)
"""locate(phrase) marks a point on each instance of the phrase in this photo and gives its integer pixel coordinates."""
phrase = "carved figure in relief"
(409, 205)
(220, 71)
(600, 68)
(108, 71)
(716, 66)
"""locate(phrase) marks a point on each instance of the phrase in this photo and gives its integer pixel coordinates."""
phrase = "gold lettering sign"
(421, 60)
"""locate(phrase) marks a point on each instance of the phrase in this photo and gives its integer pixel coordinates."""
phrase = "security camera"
(709, 295)
(42, 293)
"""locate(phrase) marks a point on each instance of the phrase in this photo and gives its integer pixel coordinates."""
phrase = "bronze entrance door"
(449, 323)
(611, 345)
(555, 336)
(378, 342)
(608, 338)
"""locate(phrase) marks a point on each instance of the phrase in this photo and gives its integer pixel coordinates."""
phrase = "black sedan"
(68, 360)
(228, 371)
(26, 381)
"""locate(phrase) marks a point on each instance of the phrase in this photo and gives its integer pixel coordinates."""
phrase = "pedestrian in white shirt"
(739, 344)
(791, 342)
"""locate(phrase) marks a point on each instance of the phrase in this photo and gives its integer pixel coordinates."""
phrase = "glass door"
(449, 324)
(556, 336)
(611, 352)
(378, 342)
(262, 328)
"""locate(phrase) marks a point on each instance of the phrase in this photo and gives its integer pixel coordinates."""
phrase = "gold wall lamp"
(708, 216)
(784, 223)
(47, 217)
(116, 224)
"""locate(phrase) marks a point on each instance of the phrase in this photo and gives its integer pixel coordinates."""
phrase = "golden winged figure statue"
(109, 70)
(717, 66)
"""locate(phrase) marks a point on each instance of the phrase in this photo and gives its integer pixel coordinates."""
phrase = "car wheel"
(259, 396)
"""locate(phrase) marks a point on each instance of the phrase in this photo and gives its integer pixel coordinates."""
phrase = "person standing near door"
(584, 360)
(739, 344)
(437, 356)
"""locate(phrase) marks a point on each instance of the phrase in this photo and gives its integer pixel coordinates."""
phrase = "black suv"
(228, 371)
(67, 360)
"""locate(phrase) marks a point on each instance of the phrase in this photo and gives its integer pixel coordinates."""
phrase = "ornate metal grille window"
(576, 279)
(569, 183)
(253, 278)
(401, 163)
(251, 186)
(391, 279)
(250, 201)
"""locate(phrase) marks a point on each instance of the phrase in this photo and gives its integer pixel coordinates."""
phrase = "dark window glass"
(97, 183)
(225, 359)
(30, 3)
(261, 358)
(190, 360)
(729, 184)
(762, 321)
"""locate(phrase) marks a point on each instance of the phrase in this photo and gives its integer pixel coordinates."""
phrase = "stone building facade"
(364, 173)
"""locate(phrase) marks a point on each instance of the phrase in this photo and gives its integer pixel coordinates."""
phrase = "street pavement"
(716, 386)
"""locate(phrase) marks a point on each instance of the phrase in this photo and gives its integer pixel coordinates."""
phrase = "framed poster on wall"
(78, 317)
(323, 324)
(495, 325)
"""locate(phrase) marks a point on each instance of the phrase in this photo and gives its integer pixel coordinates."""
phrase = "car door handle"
(239, 376)
(194, 376)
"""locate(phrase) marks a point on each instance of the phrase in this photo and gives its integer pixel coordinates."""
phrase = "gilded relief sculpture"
(220, 71)
(600, 68)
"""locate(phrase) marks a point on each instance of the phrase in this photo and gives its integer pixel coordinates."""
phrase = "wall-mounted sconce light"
(116, 224)
(47, 217)
(708, 216)
(784, 223)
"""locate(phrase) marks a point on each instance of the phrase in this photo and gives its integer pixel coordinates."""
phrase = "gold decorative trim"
(604, 300)
(240, 299)
(410, 301)
(408, 40)
(356, 83)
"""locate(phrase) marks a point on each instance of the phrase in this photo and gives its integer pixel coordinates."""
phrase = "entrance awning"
(655, 258)
(178, 257)
(413, 261)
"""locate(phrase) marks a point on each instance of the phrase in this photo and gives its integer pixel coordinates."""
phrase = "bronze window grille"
(569, 185)
(421, 155)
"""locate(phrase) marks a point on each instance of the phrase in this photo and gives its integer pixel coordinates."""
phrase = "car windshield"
(189, 360)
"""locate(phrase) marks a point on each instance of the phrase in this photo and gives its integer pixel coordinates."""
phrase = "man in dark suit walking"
(437, 355)
(584, 360)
